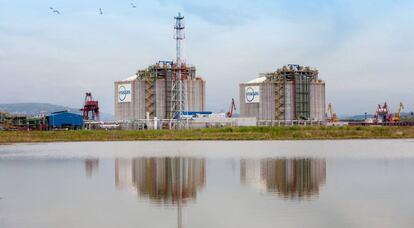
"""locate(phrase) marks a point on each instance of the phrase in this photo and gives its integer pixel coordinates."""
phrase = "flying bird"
(133, 5)
(54, 10)
(100, 11)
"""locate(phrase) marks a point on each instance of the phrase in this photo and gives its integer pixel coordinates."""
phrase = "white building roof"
(132, 78)
(257, 80)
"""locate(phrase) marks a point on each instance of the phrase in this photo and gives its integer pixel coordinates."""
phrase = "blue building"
(193, 114)
(65, 119)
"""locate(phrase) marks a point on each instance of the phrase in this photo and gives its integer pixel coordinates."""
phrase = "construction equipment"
(332, 118)
(5, 121)
(382, 114)
(229, 114)
(397, 116)
(90, 105)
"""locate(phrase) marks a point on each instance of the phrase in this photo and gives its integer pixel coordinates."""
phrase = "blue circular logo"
(251, 94)
(123, 92)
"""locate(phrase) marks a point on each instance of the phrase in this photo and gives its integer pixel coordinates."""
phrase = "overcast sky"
(364, 50)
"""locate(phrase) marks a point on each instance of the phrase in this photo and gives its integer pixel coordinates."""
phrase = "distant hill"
(362, 117)
(355, 117)
(32, 109)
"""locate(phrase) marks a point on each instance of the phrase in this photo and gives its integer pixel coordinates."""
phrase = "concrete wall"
(160, 99)
(289, 109)
(317, 97)
(265, 110)
(267, 101)
(122, 110)
(135, 109)
(196, 98)
(248, 109)
(138, 100)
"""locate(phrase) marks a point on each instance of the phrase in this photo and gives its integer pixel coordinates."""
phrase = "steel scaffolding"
(176, 98)
(299, 78)
(178, 95)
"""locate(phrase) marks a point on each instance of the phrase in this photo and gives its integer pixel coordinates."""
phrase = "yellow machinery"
(332, 118)
(5, 120)
(397, 116)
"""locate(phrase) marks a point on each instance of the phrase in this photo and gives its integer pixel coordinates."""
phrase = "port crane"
(90, 105)
(397, 116)
(382, 114)
(229, 114)
(333, 118)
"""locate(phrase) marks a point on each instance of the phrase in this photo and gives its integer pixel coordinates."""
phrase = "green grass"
(241, 133)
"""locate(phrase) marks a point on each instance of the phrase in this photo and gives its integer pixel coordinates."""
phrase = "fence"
(281, 123)
(144, 124)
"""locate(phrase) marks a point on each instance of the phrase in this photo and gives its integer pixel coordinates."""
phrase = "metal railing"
(171, 124)
(280, 123)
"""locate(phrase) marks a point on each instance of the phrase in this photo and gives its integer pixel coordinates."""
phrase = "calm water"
(208, 184)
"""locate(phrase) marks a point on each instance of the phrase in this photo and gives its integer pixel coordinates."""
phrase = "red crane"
(383, 114)
(92, 106)
(229, 114)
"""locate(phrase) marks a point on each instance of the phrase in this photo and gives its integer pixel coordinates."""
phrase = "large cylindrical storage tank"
(151, 91)
(292, 92)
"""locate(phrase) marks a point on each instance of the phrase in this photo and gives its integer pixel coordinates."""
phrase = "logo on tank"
(123, 92)
(251, 94)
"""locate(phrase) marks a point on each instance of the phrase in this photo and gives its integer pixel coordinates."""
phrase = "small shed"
(65, 119)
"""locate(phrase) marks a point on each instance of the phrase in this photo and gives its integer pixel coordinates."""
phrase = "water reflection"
(290, 178)
(91, 166)
(162, 180)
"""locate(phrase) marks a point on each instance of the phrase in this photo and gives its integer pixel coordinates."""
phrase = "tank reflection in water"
(163, 180)
(289, 178)
(168, 180)
(91, 166)
(341, 184)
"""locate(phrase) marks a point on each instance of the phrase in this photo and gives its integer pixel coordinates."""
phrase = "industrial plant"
(291, 93)
(55, 120)
(165, 90)
(170, 95)
(155, 92)
(171, 90)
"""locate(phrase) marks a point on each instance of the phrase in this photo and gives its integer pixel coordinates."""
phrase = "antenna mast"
(178, 89)
(178, 36)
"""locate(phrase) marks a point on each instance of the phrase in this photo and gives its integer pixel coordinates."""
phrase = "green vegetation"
(241, 133)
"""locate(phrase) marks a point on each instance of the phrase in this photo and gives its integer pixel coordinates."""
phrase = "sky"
(364, 50)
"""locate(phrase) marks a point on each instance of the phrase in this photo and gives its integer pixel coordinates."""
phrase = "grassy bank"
(242, 133)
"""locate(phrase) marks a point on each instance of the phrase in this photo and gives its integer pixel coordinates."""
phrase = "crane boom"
(229, 114)
(332, 118)
(397, 116)
(330, 109)
(401, 107)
